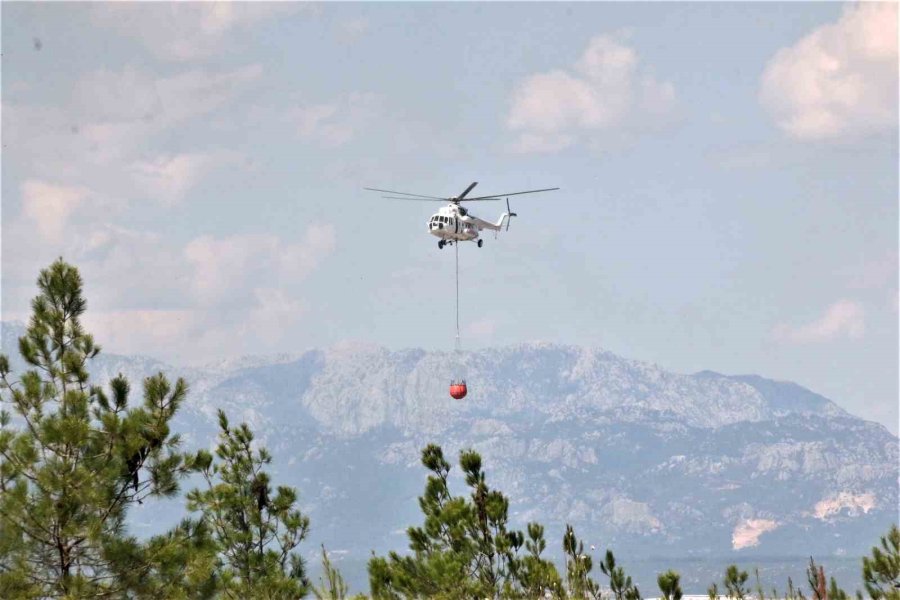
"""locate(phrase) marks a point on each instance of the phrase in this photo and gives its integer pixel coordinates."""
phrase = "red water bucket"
(458, 389)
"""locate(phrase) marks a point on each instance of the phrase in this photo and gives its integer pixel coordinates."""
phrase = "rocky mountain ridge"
(648, 462)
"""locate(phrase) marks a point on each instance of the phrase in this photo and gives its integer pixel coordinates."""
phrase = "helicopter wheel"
(441, 244)
(480, 243)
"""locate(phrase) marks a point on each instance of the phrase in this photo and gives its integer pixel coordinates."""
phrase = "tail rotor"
(510, 214)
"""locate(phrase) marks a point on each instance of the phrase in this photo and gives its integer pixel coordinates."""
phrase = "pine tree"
(881, 571)
(442, 549)
(184, 565)
(75, 458)
(254, 532)
(835, 592)
(578, 567)
(619, 583)
(332, 586)
(791, 592)
(815, 575)
(735, 581)
(760, 592)
(539, 577)
(669, 585)
(464, 549)
(496, 563)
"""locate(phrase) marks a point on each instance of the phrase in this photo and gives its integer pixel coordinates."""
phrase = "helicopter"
(454, 223)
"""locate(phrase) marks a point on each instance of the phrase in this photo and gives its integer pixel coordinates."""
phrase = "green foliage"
(619, 583)
(578, 567)
(881, 570)
(791, 593)
(332, 587)
(760, 593)
(495, 546)
(463, 548)
(76, 458)
(253, 532)
(735, 583)
(537, 575)
(836, 593)
(184, 565)
(669, 585)
(815, 575)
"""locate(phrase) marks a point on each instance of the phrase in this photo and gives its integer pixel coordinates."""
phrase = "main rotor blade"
(484, 199)
(405, 194)
(498, 196)
(418, 199)
(468, 189)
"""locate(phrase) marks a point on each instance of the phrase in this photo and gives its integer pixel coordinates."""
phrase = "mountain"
(645, 461)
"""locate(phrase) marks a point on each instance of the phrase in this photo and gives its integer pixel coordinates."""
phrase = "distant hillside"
(648, 462)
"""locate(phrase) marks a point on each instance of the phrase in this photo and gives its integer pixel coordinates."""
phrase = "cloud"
(115, 112)
(168, 179)
(878, 272)
(143, 332)
(605, 88)
(103, 136)
(840, 80)
(353, 29)
(49, 206)
(844, 318)
(483, 328)
(335, 123)
(186, 31)
(197, 335)
(274, 313)
(150, 295)
(222, 267)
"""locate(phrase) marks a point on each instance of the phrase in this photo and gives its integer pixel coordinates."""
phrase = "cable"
(458, 346)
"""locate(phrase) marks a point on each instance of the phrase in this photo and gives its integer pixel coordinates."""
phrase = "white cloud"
(605, 88)
(844, 318)
(274, 313)
(185, 31)
(168, 179)
(840, 80)
(142, 331)
(353, 29)
(542, 143)
(115, 112)
(877, 272)
(150, 295)
(483, 328)
(336, 123)
(222, 267)
(49, 206)
(103, 137)
(197, 335)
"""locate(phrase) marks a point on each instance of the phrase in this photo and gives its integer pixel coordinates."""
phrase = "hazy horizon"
(728, 201)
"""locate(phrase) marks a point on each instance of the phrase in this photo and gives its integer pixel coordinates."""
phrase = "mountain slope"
(649, 462)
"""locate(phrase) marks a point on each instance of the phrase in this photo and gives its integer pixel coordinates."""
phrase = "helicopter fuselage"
(455, 223)
(449, 224)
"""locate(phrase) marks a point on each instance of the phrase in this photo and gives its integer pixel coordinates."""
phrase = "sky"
(728, 175)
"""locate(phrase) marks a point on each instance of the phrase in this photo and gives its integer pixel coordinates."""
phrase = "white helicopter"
(454, 223)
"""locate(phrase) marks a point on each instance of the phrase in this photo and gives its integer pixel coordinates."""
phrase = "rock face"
(648, 462)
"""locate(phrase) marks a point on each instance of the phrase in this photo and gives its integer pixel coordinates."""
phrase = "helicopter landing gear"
(440, 244)
(480, 243)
